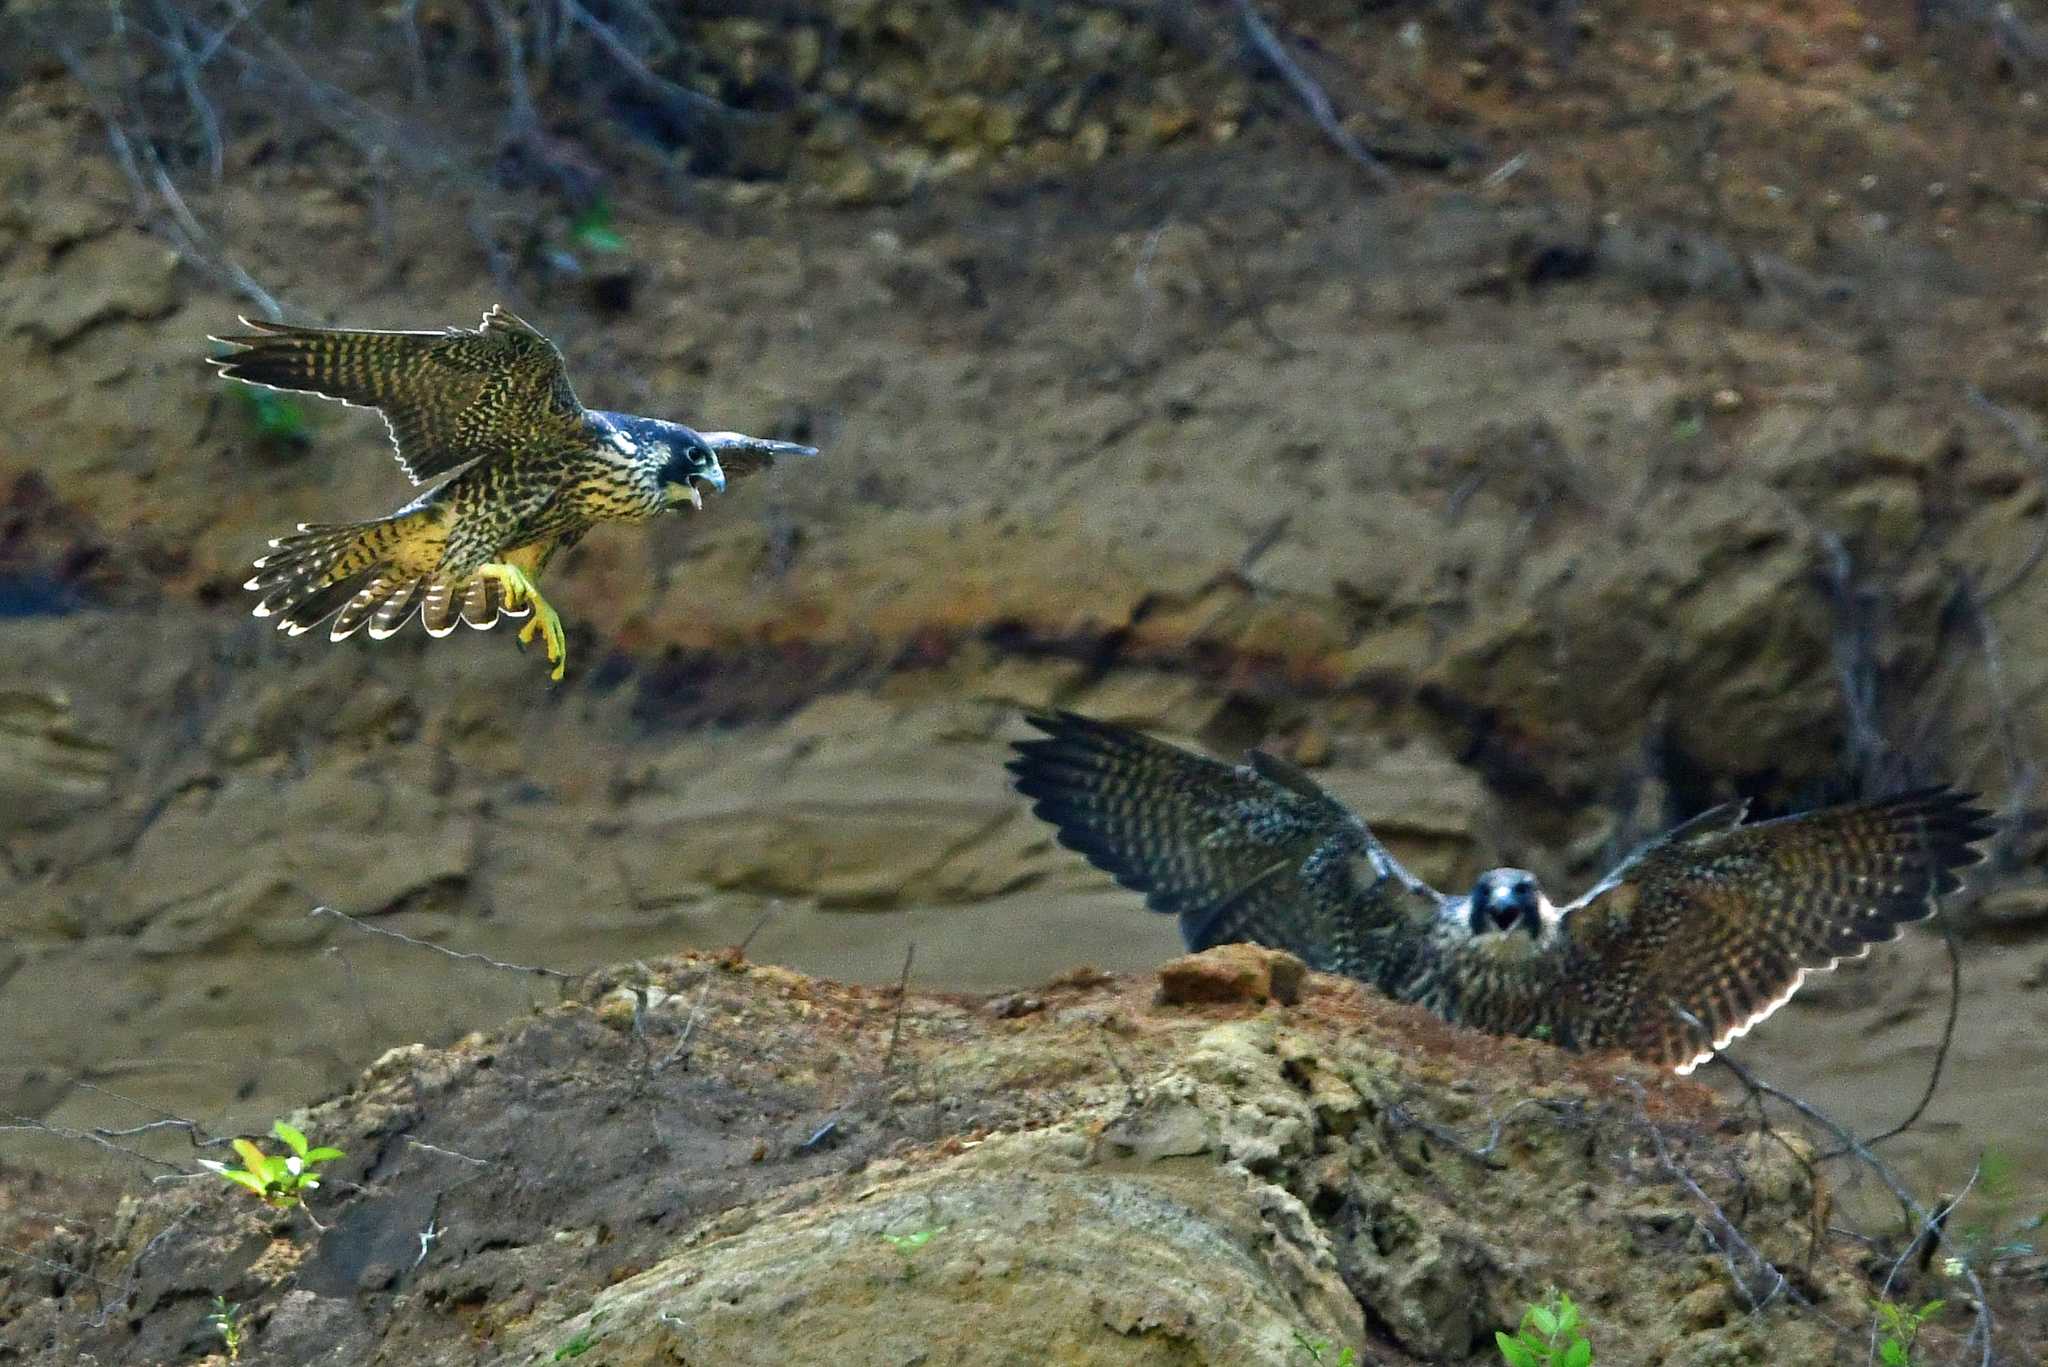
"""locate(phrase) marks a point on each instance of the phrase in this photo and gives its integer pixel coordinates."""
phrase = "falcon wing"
(1709, 929)
(741, 455)
(1256, 852)
(448, 397)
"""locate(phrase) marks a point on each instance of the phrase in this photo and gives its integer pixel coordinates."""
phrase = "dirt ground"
(1667, 435)
(1214, 1164)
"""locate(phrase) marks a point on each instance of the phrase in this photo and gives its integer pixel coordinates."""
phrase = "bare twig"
(199, 1138)
(425, 1147)
(689, 1026)
(1729, 1241)
(483, 959)
(1311, 95)
(523, 120)
(30, 1123)
(631, 63)
(774, 910)
(176, 225)
(1948, 1034)
(1981, 1332)
(902, 995)
(186, 64)
(1923, 1236)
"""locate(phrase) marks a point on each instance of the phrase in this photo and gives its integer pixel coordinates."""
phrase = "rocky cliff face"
(1218, 1165)
(1532, 509)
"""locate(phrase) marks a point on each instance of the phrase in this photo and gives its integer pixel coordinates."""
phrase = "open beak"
(696, 498)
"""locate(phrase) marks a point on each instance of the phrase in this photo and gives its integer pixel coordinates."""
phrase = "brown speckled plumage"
(1689, 942)
(526, 470)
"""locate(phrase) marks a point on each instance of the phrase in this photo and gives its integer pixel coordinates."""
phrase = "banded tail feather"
(350, 572)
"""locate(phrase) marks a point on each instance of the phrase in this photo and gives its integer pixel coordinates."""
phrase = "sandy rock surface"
(755, 1167)
(1623, 462)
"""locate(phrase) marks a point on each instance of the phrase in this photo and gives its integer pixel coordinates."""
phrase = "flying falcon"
(532, 471)
(1691, 940)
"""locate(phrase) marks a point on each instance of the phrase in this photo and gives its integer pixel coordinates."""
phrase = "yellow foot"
(520, 591)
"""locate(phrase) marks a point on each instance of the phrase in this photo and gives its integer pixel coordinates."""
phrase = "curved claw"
(521, 591)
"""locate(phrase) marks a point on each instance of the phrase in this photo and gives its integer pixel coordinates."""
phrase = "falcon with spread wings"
(523, 471)
(1689, 942)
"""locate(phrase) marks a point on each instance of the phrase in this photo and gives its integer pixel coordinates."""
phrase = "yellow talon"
(520, 590)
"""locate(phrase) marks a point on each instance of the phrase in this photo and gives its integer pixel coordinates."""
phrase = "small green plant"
(1901, 1329)
(906, 1245)
(1998, 1232)
(226, 1321)
(1549, 1336)
(592, 229)
(1316, 1348)
(583, 1342)
(278, 418)
(280, 1180)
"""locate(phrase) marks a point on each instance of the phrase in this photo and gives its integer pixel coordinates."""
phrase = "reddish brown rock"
(1232, 973)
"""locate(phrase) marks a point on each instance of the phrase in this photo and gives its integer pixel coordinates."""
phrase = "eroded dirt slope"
(1534, 511)
(1208, 1166)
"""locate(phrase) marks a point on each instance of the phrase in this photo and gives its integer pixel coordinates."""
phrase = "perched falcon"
(1686, 944)
(524, 469)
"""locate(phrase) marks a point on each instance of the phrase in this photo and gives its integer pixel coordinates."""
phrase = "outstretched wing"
(741, 455)
(449, 397)
(1256, 852)
(1708, 930)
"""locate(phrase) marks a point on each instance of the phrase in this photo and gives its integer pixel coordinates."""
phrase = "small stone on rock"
(1232, 973)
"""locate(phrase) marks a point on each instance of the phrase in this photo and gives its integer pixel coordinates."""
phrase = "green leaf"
(252, 1157)
(1579, 1355)
(1929, 1310)
(1545, 1320)
(1567, 1314)
(293, 1137)
(1893, 1354)
(236, 1175)
(1511, 1350)
(593, 229)
(322, 1154)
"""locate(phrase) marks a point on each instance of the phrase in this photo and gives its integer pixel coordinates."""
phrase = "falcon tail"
(345, 571)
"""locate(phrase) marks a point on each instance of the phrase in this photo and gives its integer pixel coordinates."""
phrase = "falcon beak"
(695, 496)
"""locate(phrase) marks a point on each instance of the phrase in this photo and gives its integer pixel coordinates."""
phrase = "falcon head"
(1504, 900)
(686, 461)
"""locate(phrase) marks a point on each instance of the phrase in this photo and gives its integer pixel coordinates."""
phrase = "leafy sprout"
(907, 1244)
(278, 418)
(226, 1320)
(280, 1180)
(1315, 1348)
(592, 229)
(1549, 1336)
(1901, 1329)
